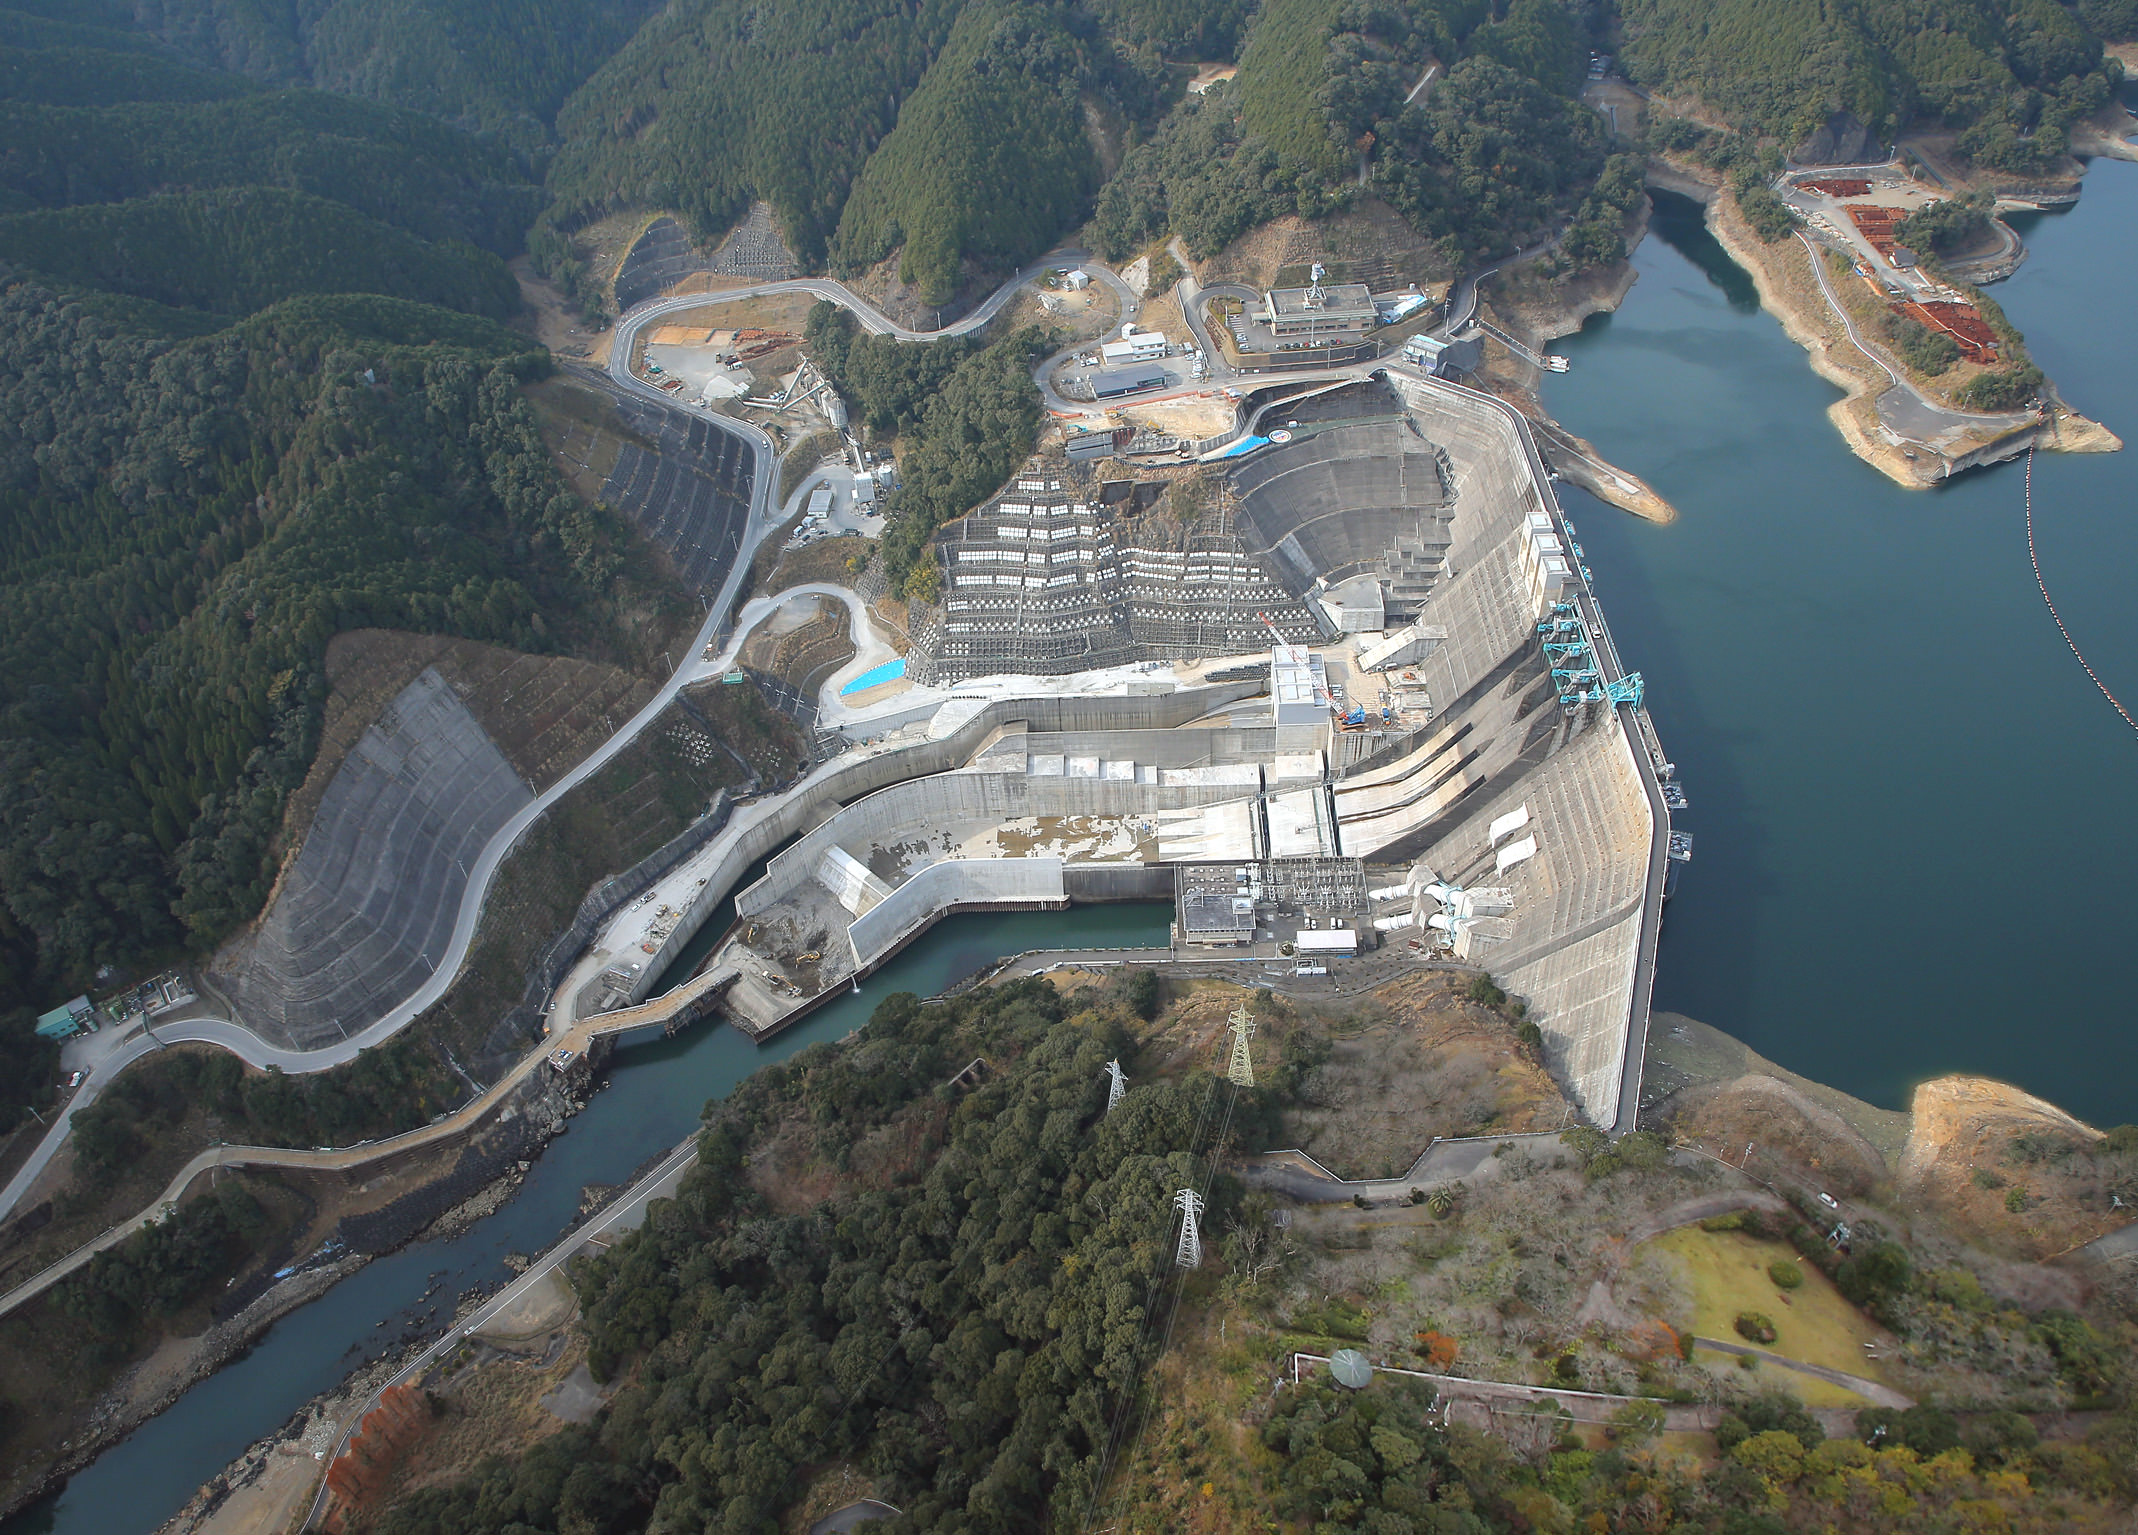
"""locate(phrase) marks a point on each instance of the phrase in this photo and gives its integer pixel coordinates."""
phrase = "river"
(654, 1095)
(1913, 845)
(1914, 842)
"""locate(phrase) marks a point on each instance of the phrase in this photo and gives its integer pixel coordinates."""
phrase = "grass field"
(1726, 1272)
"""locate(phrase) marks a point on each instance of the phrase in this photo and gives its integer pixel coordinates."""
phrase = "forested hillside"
(235, 251)
(716, 102)
(397, 167)
(2012, 75)
(182, 528)
(494, 66)
(962, 1315)
(989, 161)
(966, 418)
(1494, 154)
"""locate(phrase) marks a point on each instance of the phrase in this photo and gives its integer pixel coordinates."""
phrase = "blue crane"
(1627, 690)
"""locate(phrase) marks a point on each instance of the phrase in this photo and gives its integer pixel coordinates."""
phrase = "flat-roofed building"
(1333, 311)
(1213, 906)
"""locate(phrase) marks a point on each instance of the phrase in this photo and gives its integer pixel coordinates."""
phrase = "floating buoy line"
(2035, 559)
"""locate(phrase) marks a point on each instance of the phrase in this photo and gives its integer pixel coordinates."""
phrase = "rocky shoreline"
(119, 1412)
(314, 1429)
(478, 1185)
(1539, 320)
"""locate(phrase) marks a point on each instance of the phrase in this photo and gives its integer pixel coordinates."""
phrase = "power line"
(1181, 1276)
(1127, 1402)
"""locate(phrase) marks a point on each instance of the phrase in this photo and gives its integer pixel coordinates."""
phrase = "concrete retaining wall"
(368, 907)
(1089, 882)
(904, 810)
(845, 780)
(1162, 748)
(1000, 884)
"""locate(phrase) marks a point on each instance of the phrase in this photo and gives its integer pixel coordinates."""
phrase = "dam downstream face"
(1911, 807)
(654, 1096)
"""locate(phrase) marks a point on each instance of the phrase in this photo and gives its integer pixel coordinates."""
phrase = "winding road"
(1902, 407)
(872, 319)
(205, 1028)
(256, 1052)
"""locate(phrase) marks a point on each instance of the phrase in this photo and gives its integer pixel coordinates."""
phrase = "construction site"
(1347, 702)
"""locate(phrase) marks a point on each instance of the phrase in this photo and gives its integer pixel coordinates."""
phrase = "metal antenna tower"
(1241, 1073)
(1119, 1086)
(1189, 1254)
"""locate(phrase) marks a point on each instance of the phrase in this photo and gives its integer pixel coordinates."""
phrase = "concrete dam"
(1351, 705)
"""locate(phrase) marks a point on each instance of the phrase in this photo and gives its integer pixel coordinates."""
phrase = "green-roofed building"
(67, 1020)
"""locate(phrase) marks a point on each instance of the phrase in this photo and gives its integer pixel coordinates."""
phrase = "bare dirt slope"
(1370, 240)
(2000, 1168)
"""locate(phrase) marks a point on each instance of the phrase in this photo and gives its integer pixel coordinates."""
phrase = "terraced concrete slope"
(690, 493)
(368, 906)
(664, 255)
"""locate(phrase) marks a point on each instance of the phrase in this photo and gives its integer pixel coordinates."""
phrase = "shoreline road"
(1901, 407)
(627, 1214)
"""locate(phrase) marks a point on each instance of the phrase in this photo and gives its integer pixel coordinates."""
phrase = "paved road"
(626, 1214)
(852, 1517)
(1877, 1392)
(258, 1053)
(1462, 302)
(1902, 406)
(872, 319)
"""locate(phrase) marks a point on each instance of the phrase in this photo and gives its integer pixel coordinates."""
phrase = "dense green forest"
(968, 417)
(1492, 154)
(1178, 29)
(962, 1316)
(397, 167)
(183, 525)
(75, 76)
(716, 102)
(396, 1086)
(158, 1271)
(499, 67)
(235, 251)
(176, 197)
(989, 160)
(2011, 75)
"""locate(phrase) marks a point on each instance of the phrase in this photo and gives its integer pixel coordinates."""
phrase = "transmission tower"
(1241, 1073)
(1189, 1254)
(1119, 1086)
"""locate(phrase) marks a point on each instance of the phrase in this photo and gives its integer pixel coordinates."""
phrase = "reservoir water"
(1915, 840)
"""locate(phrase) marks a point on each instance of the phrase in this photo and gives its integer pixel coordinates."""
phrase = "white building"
(1134, 346)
